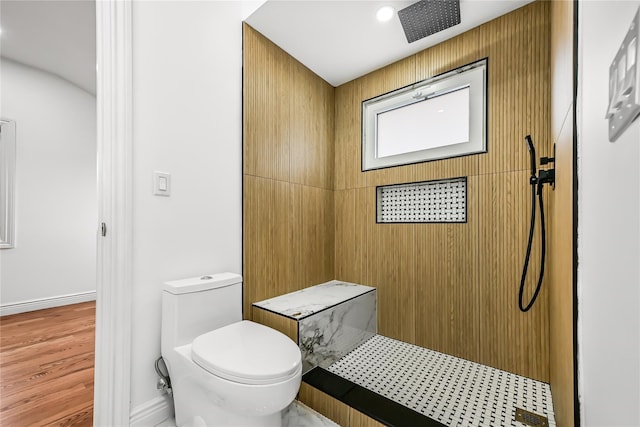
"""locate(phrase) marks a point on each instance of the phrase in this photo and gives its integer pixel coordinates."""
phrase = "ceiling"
(54, 36)
(342, 40)
(338, 40)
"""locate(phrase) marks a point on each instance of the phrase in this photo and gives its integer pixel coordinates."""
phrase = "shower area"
(448, 290)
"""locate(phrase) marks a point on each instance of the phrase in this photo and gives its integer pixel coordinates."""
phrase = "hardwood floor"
(46, 367)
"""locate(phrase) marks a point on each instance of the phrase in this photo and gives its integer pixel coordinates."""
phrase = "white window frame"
(473, 76)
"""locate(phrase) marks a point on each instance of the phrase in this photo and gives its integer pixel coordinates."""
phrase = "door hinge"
(103, 229)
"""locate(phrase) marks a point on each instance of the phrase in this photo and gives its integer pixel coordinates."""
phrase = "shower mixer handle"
(546, 176)
(547, 160)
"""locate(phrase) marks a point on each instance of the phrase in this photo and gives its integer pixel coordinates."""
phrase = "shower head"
(427, 17)
(532, 154)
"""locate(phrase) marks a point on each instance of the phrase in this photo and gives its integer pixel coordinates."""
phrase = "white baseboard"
(152, 412)
(39, 304)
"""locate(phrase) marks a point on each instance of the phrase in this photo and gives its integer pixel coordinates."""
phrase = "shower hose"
(526, 308)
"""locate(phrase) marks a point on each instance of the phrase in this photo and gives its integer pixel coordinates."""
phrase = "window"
(438, 118)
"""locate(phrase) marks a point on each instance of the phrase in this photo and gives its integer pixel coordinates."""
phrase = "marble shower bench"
(327, 320)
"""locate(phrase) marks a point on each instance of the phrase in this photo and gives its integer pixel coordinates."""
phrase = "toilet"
(224, 371)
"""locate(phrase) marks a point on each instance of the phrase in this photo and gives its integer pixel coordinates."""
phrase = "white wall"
(187, 121)
(608, 231)
(56, 205)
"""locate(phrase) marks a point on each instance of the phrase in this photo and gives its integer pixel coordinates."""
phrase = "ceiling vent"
(428, 17)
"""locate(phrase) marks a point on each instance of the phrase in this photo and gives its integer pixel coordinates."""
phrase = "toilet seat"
(248, 353)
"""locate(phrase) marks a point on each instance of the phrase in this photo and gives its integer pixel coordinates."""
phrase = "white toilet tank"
(191, 307)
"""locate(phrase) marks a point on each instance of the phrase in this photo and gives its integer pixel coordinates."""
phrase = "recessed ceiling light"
(385, 13)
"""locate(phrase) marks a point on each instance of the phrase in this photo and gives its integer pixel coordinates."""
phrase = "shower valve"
(546, 176)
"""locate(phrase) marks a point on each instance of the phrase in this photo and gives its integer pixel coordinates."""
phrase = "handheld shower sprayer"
(545, 176)
(532, 154)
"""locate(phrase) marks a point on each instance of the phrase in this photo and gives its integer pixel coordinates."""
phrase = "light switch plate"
(624, 82)
(161, 184)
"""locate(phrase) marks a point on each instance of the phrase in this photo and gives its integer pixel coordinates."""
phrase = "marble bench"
(327, 320)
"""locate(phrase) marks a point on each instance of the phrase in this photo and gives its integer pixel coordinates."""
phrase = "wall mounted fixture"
(545, 176)
(624, 83)
(161, 184)
(424, 18)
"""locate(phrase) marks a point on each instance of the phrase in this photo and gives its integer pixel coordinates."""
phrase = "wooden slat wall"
(287, 326)
(561, 372)
(288, 202)
(449, 287)
(454, 287)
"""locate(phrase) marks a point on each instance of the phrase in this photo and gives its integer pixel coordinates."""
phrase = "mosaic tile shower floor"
(453, 391)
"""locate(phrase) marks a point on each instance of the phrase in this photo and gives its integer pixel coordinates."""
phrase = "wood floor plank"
(46, 367)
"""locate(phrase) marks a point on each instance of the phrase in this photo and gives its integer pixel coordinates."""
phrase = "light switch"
(161, 184)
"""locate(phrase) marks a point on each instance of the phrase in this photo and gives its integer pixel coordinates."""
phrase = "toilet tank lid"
(202, 283)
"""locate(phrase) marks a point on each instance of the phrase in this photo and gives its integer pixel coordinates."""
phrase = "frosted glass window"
(438, 118)
(434, 122)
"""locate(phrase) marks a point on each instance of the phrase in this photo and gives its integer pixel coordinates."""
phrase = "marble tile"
(308, 301)
(327, 336)
(300, 415)
(171, 422)
(296, 415)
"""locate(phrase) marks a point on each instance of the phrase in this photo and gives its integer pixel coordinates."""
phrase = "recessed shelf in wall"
(428, 201)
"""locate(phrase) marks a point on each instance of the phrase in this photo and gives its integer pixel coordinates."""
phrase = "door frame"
(112, 386)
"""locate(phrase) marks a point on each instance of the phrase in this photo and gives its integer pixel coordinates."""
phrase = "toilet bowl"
(224, 371)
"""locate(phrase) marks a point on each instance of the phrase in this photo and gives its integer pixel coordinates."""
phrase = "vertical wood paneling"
(348, 243)
(518, 49)
(324, 404)
(287, 326)
(348, 122)
(265, 108)
(311, 238)
(450, 54)
(311, 128)
(315, 237)
(561, 368)
(358, 419)
(447, 282)
(267, 228)
(288, 203)
(389, 265)
(561, 65)
(561, 280)
(510, 340)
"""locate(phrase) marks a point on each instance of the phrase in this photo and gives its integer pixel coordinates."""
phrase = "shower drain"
(530, 418)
